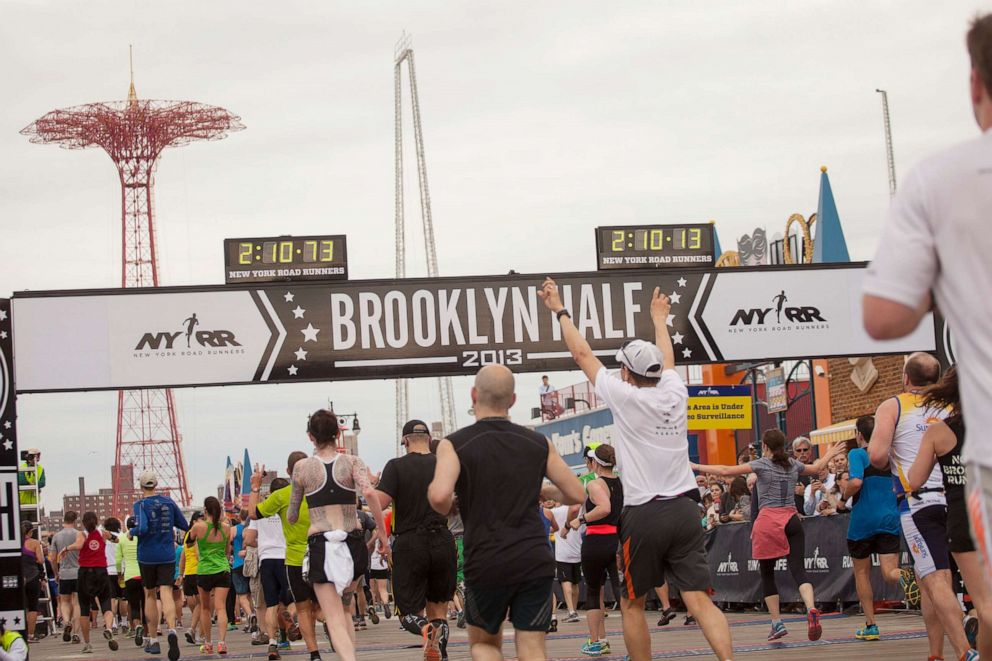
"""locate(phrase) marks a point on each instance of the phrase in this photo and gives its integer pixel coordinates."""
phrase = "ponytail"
(774, 440)
(211, 506)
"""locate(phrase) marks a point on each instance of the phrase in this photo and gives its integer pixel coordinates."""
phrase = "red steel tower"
(134, 133)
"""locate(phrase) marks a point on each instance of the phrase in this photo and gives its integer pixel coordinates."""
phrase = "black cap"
(416, 427)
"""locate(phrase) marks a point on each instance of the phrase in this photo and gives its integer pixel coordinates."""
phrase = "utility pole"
(404, 53)
(888, 142)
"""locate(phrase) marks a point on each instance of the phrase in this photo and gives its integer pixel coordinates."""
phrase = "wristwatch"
(563, 313)
(582, 519)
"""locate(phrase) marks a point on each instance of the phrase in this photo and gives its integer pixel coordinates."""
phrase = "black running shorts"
(189, 585)
(93, 585)
(959, 529)
(316, 549)
(659, 538)
(299, 590)
(211, 582)
(529, 604)
(569, 572)
(153, 576)
(424, 569)
(882, 543)
(599, 552)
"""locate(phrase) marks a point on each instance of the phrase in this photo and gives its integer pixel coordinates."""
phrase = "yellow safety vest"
(30, 497)
(8, 639)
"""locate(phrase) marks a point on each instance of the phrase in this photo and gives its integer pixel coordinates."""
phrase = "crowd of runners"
(460, 529)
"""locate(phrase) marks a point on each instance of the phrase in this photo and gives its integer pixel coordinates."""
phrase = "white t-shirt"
(110, 553)
(938, 238)
(271, 542)
(569, 548)
(652, 444)
(377, 561)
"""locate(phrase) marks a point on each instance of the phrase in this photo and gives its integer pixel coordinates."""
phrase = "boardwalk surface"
(902, 638)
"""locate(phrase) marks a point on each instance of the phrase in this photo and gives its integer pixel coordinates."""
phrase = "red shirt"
(93, 553)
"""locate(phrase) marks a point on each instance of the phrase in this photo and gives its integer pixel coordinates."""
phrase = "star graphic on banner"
(3, 315)
(17, 620)
(8, 444)
(298, 312)
(293, 369)
(682, 282)
(3, 335)
(288, 297)
(675, 298)
(687, 353)
(301, 354)
(671, 320)
(310, 333)
(677, 338)
(6, 425)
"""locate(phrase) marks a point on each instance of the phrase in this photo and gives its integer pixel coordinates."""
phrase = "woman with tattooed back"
(335, 546)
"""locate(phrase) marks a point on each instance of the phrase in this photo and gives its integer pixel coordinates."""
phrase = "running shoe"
(207, 648)
(667, 616)
(284, 645)
(108, 635)
(231, 626)
(605, 646)
(460, 622)
(373, 615)
(971, 630)
(907, 581)
(253, 623)
(813, 628)
(970, 655)
(868, 632)
(689, 619)
(778, 631)
(87, 649)
(590, 648)
(262, 641)
(153, 649)
(190, 638)
(222, 647)
(432, 642)
(139, 635)
(553, 627)
(75, 639)
(173, 641)
(67, 633)
(571, 617)
(274, 652)
(293, 633)
(387, 610)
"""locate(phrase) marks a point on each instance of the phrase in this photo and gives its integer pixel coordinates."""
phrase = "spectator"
(550, 407)
(736, 503)
(816, 491)
(713, 511)
(802, 450)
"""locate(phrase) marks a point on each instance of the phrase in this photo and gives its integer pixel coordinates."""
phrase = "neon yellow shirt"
(192, 557)
(295, 533)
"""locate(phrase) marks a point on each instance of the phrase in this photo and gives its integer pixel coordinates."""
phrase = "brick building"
(883, 378)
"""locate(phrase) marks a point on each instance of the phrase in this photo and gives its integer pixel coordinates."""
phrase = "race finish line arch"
(334, 330)
(379, 329)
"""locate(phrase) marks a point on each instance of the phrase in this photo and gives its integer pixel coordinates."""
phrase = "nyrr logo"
(728, 566)
(817, 562)
(846, 562)
(760, 316)
(205, 338)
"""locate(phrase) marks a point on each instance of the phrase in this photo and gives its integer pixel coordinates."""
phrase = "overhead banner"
(719, 407)
(190, 336)
(11, 580)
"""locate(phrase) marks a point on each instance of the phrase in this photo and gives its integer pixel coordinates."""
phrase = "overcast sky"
(541, 121)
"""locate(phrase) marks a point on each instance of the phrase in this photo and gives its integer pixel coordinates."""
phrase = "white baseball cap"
(148, 480)
(642, 358)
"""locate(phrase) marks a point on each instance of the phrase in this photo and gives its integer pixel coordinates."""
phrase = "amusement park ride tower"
(404, 53)
(134, 133)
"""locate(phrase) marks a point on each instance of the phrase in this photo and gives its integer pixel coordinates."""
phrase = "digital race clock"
(654, 246)
(286, 258)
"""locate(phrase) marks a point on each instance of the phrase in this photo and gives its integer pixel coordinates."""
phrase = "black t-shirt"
(502, 469)
(406, 479)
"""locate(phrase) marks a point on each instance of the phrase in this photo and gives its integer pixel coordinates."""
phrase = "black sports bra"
(331, 492)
